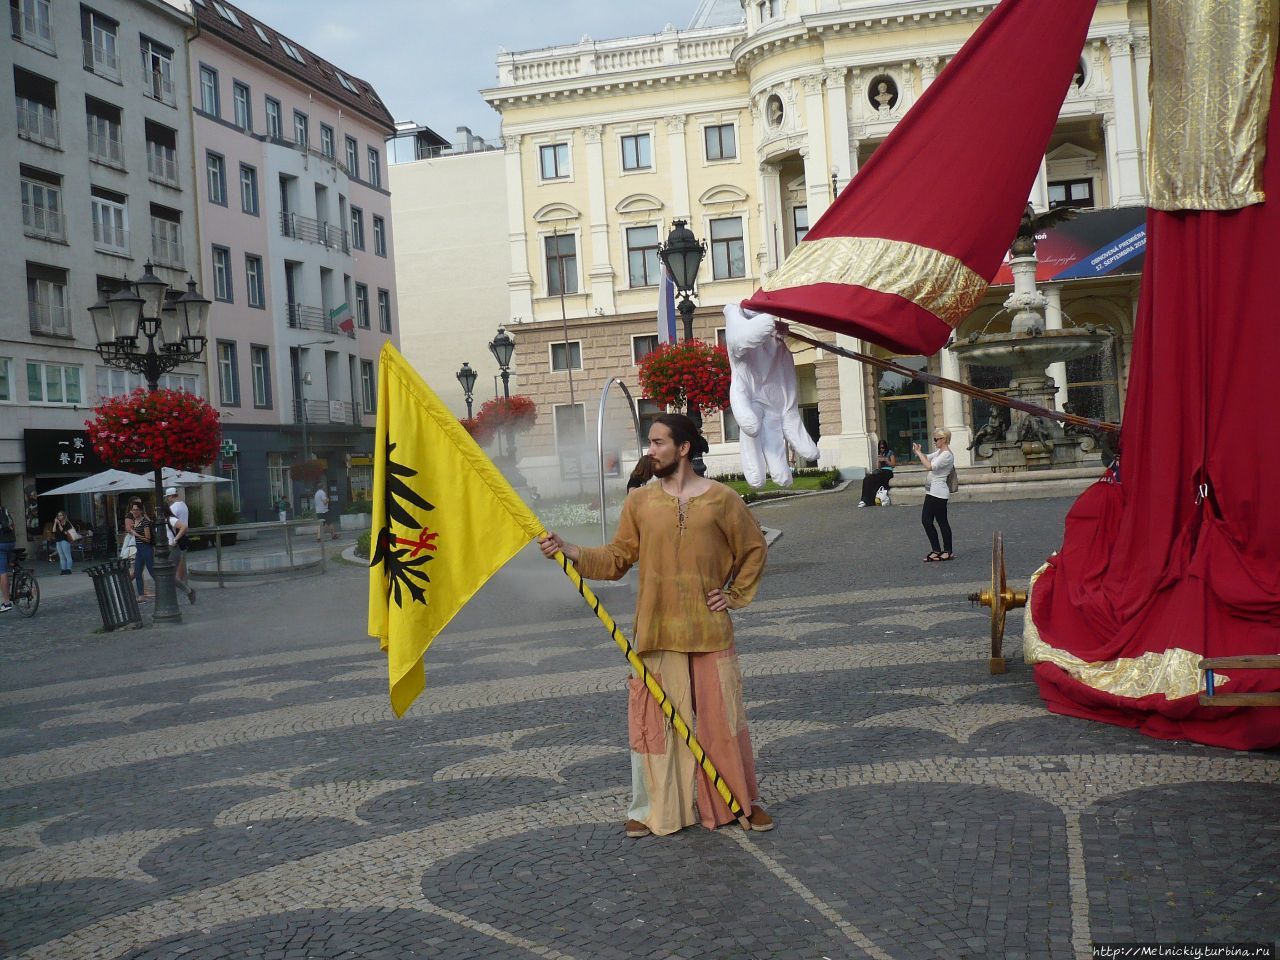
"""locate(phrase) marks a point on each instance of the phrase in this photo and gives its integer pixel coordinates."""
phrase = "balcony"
(325, 411)
(49, 318)
(158, 87)
(166, 252)
(314, 231)
(109, 238)
(302, 317)
(37, 122)
(43, 223)
(106, 148)
(31, 30)
(101, 61)
(161, 169)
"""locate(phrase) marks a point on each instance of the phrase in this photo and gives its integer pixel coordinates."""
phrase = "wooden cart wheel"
(1000, 599)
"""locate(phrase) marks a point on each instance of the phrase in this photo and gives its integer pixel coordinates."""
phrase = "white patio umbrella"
(170, 477)
(108, 481)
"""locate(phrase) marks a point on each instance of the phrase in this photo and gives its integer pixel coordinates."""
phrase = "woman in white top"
(940, 463)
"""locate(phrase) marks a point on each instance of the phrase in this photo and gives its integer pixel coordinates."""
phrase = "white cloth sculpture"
(762, 396)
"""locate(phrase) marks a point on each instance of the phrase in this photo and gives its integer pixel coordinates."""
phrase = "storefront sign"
(60, 452)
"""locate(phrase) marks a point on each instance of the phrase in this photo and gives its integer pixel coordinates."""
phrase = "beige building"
(745, 125)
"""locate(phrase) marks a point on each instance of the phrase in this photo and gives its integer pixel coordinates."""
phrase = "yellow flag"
(444, 521)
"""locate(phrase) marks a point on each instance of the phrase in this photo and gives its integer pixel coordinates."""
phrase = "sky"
(428, 58)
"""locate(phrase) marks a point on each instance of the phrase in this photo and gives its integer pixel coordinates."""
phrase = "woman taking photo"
(62, 531)
(940, 463)
(880, 477)
(141, 525)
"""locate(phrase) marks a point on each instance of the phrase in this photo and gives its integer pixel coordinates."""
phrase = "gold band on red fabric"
(1175, 672)
(932, 280)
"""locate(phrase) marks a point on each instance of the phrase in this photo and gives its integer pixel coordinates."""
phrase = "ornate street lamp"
(502, 347)
(682, 254)
(175, 333)
(467, 377)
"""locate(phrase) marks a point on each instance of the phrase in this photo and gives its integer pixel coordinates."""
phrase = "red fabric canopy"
(1148, 565)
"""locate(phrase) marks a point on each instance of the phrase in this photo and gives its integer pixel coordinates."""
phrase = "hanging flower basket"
(676, 374)
(479, 432)
(309, 472)
(505, 414)
(170, 428)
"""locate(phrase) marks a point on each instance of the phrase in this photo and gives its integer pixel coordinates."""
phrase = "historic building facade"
(746, 125)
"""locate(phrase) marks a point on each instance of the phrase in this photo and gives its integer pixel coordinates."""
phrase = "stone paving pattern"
(238, 787)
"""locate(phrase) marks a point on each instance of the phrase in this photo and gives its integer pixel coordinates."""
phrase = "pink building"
(295, 236)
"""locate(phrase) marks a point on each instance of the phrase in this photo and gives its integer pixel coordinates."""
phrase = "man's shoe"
(862, 503)
(759, 820)
(636, 829)
(6, 607)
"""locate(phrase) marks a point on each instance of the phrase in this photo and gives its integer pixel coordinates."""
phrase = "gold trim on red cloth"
(932, 280)
(1174, 672)
(1212, 67)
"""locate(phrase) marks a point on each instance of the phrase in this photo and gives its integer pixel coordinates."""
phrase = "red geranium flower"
(691, 371)
(171, 428)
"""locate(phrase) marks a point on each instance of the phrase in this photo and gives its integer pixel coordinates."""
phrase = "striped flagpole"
(655, 690)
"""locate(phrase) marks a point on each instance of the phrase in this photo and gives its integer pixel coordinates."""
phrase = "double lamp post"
(503, 347)
(174, 329)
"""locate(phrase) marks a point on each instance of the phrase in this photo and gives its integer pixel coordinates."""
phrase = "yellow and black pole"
(655, 690)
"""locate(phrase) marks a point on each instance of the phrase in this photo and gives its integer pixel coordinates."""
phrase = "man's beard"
(667, 470)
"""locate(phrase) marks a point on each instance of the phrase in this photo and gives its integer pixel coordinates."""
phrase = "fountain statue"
(1026, 441)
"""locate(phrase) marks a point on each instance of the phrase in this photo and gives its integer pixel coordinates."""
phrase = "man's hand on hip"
(717, 602)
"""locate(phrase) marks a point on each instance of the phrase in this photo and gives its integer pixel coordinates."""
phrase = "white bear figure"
(762, 396)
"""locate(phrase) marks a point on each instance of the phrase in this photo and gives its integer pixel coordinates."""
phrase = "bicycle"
(24, 589)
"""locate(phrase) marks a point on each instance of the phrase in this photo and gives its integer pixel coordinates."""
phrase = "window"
(379, 236)
(100, 35)
(566, 355)
(254, 284)
(1071, 193)
(357, 228)
(729, 430)
(103, 123)
(262, 34)
(642, 346)
(227, 14)
(562, 264)
(275, 125)
(240, 105)
(375, 168)
(30, 23)
(42, 205)
(642, 256)
(721, 142)
(166, 236)
(326, 140)
(904, 405)
(291, 50)
(555, 161)
(368, 393)
(162, 153)
(362, 305)
(110, 220)
(222, 274)
(37, 103)
(6, 379)
(728, 256)
(1092, 383)
(157, 72)
(636, 153)
(209, 91)
(260, 360)
(346, 83)
(216, 168)
(52, 383)
(248, 189)
(571, 437)
(116, 383)
(301, 135)
(384, 311)
(353, 157)
(47, 300)
(228, 373)
(799, 224)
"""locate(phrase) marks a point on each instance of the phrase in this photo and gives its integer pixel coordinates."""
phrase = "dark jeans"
(143, 558)
(871, 483)
(935, 509)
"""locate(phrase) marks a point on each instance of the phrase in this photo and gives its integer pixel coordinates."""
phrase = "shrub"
(362, 545)
(225, 513)
(359, 506)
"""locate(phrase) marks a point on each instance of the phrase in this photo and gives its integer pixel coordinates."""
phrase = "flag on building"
(666, 308)
(341, 316)
(444, 520)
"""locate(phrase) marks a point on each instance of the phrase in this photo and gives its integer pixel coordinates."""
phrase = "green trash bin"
(117, 601)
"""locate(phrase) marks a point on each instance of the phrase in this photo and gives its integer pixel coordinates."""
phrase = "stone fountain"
(1025, 441)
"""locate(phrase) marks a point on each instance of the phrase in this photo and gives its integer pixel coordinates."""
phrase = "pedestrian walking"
(939, 483)
(64, 534)
(886, 460)
(8, 537)
(700, 553)
(321, 504)
(142, 526)
(179, 521)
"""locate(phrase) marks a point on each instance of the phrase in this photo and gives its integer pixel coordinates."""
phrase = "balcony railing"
(37, 122)
(49, 318)
(164, 169)
(41, 222)
(106, 148)
(166, 251)
(314, 231)
(101, 61)
(325, 411)
(158, 87)
(302, 317)
(110, 238)
(27, 28)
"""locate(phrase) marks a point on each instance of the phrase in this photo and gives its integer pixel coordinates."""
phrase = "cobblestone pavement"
(237, 786)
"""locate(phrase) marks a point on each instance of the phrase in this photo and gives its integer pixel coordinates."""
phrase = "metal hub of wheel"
(1000, 599)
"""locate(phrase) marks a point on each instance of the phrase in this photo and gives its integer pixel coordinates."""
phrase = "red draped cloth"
(1149, 564)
